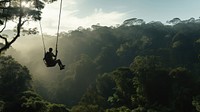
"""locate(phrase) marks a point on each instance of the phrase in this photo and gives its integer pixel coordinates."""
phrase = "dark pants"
(51, 63)
(59, 62)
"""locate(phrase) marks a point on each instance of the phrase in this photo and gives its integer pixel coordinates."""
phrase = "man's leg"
(60, 64)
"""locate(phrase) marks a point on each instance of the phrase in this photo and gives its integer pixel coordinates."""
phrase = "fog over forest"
(132, 67)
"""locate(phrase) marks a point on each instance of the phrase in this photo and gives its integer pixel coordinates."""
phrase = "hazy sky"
(85, 13)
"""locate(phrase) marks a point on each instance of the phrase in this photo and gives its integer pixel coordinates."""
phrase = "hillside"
(135, 66)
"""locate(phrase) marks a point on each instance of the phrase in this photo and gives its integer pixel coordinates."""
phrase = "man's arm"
(53, 55)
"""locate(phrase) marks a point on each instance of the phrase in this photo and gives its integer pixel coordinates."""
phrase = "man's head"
(50, 49)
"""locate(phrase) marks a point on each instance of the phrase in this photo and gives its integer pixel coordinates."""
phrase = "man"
(51, 60)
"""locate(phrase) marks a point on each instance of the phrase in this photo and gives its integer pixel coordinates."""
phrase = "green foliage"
(196, 103)
(91, 96)
(183, 88)
(120, 109)
(137, 66)
(30, 101)
(145, 64)
(86, 108)
(112, 90)
(57, 108)
(14, 78)
(151, 81)
(2, 103)
(19, 11)
(105, 85)
(12, 9)
(176, 44)
(147, 87)
(16, 94)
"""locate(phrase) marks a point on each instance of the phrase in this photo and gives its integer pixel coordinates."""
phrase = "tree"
(151, 81)
(174, 21)
(196, 103)
(133, 21)
(19, 11)
(2, 103)
(14, 78)
(16, 94)
(183, 90)
(31, 102)
(120, 109)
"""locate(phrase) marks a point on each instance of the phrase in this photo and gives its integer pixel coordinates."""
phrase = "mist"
(29, 51)
(104, 64)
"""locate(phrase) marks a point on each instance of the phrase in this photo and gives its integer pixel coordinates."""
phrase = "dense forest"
(132, 67)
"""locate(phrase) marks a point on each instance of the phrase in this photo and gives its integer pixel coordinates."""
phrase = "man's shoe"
(62, 67)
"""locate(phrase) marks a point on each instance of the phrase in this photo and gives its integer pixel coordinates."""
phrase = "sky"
(85, 13)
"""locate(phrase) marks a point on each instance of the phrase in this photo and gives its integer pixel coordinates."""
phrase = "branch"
(23, 22)
(6, 46)
(4, 38)
(4, 1)
(4, 25)
(6, 17)
(19, 25)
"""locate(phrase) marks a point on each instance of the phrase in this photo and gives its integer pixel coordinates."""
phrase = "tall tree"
(19, 11)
